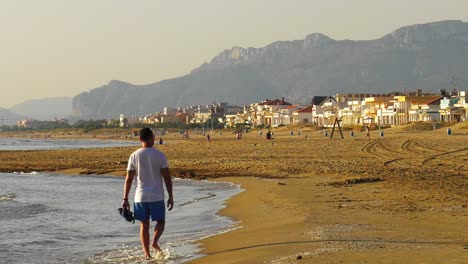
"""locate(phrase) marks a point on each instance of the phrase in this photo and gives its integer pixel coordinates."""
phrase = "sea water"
(53, 218)
(41, 144)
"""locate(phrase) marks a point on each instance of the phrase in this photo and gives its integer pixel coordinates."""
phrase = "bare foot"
(156, 247)
(147, 257)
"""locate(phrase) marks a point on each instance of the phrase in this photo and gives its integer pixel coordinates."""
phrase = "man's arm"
(127, 187)
(168, 182)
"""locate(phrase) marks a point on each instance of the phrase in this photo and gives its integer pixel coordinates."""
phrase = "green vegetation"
(85, 125)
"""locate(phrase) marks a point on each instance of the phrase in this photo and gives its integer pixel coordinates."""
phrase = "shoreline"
(389, 199)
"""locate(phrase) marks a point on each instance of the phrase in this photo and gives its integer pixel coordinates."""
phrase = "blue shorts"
(143, 211)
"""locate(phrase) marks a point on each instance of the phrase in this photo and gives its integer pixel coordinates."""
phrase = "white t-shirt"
(147, 163)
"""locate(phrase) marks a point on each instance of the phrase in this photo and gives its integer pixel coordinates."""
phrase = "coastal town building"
(127, 120)
(303, 115)
(284, 116)
(352, 109)
(326, 112)
(454, 108)
(261, 114)
(463, 104)
(351, 113)
(417, 108)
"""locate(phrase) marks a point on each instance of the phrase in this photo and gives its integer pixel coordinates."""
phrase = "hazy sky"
(51, 48)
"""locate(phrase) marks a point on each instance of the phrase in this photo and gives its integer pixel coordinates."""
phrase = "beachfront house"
(453, 109)
(303, 115)
(424, 109)
(262, 113)
(230, 120)
(236, 115)
(152, 118)
(401, 105)
(374, 109)
(326, 112)
(128, 120)
(284, 116)
(416, 108)
(386, 116)
(235, 119)
(365, 109)
(351, 113)
(317, 109)
(463, 104)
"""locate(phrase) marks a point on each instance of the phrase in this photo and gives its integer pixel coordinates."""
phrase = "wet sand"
(395, 199)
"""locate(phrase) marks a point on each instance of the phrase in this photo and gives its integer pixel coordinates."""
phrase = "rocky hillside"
(423, 56)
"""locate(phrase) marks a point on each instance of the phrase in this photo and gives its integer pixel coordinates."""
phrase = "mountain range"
(424, 56)
(43, 109)
(9, 118)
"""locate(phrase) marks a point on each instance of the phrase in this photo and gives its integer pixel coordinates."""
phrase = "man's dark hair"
(146, 134)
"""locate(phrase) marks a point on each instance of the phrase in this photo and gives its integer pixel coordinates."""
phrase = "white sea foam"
(30, 173)
(126, 254)
(227, 230)
(7, 197)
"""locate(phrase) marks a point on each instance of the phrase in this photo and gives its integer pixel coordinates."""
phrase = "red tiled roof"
(290, 107)
(307, 109)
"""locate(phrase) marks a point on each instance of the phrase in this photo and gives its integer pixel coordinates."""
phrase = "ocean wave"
(21, 212)
(210, 195)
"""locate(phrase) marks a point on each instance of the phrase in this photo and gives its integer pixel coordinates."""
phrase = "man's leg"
(144, 237)
(158, 230)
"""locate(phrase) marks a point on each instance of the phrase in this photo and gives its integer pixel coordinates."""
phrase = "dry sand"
(401, 198)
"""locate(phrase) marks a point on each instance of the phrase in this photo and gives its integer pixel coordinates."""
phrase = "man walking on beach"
(150, 167)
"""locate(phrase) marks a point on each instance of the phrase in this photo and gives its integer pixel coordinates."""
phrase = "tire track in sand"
(373, 147)
(433, 157)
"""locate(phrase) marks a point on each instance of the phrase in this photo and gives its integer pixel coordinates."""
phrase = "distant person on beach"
(268, 135)
(367, 132)
(150, 168)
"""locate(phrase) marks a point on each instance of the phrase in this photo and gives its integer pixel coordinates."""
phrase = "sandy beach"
(400, 198)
